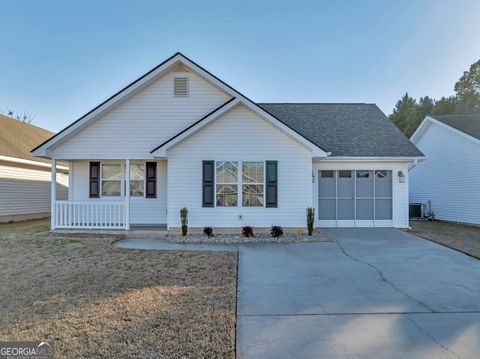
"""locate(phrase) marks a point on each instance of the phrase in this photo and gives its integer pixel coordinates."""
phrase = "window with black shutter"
(208, 192)
(94, 188)
(151, 180)
(271, 184)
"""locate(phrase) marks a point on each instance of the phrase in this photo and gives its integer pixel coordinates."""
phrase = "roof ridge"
(315, 103)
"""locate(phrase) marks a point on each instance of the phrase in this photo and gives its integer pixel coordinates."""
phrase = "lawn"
(91, 300)
(463, 238)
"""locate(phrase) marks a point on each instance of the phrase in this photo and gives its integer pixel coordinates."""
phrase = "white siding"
(400, 190)
(144, 121)
(142, 210)
(26, 189)
(450, 176)
(239, 135)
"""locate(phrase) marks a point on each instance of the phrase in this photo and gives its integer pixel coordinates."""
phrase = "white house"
(181, 137)
(449, 178)
(24, 179)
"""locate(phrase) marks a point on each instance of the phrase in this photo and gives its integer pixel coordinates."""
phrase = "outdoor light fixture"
(313, 177)
(401, 177)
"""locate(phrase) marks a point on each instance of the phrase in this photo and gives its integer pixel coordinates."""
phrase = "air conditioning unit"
(416, 210)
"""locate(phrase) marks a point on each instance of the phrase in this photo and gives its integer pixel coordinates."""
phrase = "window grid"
(226, 183)
(253, 179)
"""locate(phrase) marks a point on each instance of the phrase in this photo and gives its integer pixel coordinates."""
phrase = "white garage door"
(354, 198)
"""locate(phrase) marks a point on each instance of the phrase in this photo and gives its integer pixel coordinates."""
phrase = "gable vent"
(180, 87)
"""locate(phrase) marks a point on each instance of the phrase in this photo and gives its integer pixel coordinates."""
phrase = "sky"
(59, 59)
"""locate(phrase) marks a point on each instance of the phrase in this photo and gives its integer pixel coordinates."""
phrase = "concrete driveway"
(372, 293)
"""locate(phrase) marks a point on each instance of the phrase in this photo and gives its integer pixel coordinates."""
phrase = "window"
(363, 174)
(381, 174)
(327, 174)
(137, 180)
(180, 87)
(252, 184)
(111, 180)
(345, 174)
(226, 184)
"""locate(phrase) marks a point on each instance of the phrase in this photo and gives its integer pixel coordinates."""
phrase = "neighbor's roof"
(345, 129)
(17, 139)
(469, 124)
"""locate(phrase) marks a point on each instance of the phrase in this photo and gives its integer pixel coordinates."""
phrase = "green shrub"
(310, 220)
(184, 220)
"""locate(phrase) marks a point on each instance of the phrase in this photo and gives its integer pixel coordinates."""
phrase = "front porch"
(98, 198)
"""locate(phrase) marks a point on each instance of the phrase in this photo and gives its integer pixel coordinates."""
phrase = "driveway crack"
(411, 320)
(382, 277)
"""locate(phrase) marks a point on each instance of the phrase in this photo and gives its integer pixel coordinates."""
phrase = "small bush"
(247, 232)
(276, 231)
(208, 231)
(184, 220)
(310, 220)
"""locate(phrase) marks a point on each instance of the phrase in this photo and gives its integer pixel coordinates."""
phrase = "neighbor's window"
(137, 180)
(226, 179)
(252, 184)
(111, 179)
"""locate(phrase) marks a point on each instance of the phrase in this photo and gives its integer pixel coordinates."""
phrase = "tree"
(24, 117)
(467, 90)
(403, 112)
(445, 106)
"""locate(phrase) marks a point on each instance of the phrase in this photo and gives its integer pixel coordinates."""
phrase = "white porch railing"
(90, 215)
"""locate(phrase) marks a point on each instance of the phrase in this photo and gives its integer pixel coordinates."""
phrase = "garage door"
(355, 198)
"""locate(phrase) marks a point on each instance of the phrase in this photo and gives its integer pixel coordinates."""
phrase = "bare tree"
(24, 116)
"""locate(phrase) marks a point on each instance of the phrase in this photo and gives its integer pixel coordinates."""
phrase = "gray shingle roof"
(353, 129)
(469, 124)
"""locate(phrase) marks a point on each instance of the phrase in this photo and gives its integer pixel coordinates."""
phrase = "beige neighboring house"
(24, 179)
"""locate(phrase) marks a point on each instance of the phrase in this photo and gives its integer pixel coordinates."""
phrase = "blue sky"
(59, 59)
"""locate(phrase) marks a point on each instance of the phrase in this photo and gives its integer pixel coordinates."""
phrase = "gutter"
(30, 162)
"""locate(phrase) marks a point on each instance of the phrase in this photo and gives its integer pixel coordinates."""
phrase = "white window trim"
(239, 183)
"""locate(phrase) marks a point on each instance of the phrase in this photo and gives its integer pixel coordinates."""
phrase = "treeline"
(409, 113)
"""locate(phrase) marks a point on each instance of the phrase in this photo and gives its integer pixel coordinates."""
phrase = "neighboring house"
(24, 179)
(181, 137)
(449, 179)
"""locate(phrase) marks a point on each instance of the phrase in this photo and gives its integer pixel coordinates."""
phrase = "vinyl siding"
(239, 135)
(449, 178)
(142, 210)
(399, 190)
(145, 120)
(25, 189)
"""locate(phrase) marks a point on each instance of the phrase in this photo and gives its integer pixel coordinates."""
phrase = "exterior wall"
(145, 120)
(239, 135)
(142, 210)
(25, 191)
(449, 178)
(400, 190)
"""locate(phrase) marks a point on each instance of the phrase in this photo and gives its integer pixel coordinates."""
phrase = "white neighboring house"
(450, 176)
(24, 179)
(180, 137)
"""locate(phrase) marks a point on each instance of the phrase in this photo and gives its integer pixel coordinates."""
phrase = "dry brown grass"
(92, 300)
(463, 238)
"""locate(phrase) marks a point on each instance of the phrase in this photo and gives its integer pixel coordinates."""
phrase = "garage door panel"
(364, 183)
(326, 209)
(346, 209)
(383, 209)
(383, 183)
(364, 209)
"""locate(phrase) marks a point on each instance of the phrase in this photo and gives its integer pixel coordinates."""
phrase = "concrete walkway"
(372, 293)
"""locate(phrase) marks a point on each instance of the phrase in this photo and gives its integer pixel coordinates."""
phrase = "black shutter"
(271, 184)
(208, 183)
(151, 180)
(94, 180)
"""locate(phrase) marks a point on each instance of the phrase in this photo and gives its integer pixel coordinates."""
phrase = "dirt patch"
(92, 300)
(463, 238)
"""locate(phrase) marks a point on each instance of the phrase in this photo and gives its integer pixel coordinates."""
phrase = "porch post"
(127, 194)
(53, 194)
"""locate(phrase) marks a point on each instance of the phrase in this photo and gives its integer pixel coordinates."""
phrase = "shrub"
(184, 220)
(310, 219)
(276, 231)
(208, 231)
(247, 232)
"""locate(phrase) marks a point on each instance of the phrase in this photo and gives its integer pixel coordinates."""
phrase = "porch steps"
(146, 232)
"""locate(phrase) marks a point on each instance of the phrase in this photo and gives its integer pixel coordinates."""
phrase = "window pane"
(252, 172)
(226, 172)
(111, 172)
(111, 188)
(137, 188)
(227, 195)
(137, 172)
(363, 174)
(252, 195)
(327, 174)
(344, 174)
